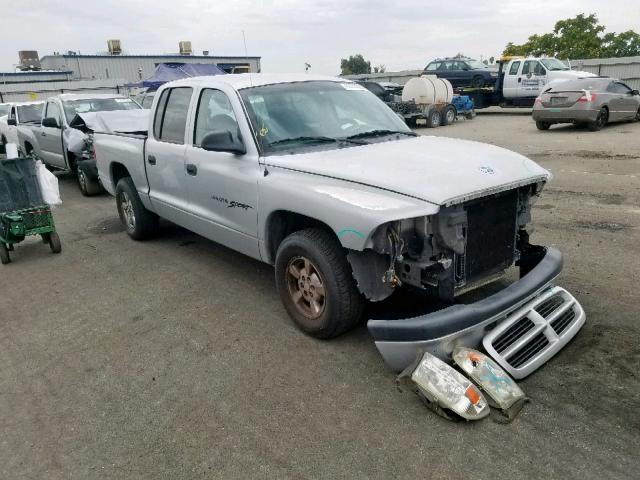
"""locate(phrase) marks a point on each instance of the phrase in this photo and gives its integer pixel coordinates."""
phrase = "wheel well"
(118, 172)
(283, 223)
(28, 148)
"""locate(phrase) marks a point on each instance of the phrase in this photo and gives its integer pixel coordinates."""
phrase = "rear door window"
(514, 68)
(157, 120)
(174, 118)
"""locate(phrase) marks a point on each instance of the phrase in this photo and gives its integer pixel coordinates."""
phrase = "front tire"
(54, 242)
(4, 254)
(88, 186)
(543, 125)
(316, 285)
(139, 222)
(477, 81)
(434, 118)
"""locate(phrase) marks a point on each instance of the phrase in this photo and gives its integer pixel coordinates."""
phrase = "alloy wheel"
(306, 287)
(126, 206)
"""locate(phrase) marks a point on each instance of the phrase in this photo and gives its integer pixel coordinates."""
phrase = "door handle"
(192, 169)
(151, 159)
(44, 134)
(519, 79)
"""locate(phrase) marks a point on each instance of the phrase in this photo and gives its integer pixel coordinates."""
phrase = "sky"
(287, 33)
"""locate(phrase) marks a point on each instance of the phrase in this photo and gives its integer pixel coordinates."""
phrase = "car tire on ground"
(4, 254)
(316, 285)
(638, 115)
(543, 125)
(601, 120)
(54, 242)
(139, 222)
(449, 115)
(477, 81)
(434, 118)
(88, 186)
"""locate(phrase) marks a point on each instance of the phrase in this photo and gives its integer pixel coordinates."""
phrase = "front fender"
(351, 210)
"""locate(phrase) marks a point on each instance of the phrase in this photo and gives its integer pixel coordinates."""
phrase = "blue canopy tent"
(166, 72)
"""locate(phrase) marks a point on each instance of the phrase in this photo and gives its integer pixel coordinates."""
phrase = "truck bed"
(116, 150)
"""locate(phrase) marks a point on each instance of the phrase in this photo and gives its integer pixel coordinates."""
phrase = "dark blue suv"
(462, 72)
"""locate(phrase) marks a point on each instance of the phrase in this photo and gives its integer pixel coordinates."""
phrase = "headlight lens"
(448, 388)
(502, 391)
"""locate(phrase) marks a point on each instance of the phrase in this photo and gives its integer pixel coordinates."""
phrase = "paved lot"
(174, 358)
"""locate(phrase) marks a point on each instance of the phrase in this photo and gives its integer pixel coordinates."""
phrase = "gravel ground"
(174, 358)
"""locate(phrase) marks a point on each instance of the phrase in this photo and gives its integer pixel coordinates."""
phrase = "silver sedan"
(593, 102)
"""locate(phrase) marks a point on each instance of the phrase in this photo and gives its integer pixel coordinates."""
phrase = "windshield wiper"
(380, 133)
(319, 139)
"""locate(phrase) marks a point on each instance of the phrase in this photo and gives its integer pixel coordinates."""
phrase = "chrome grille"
(533, 334)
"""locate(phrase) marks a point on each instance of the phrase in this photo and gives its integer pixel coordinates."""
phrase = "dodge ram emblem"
(487, 170)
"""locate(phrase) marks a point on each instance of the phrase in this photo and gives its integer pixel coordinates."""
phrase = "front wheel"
(139, 222)
(316, 285)
(4, 254)
(88, 186)
(434, 118)
(477, 81)
(543, 125)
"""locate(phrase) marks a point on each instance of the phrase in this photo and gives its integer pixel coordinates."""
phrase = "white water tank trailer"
(428, 90)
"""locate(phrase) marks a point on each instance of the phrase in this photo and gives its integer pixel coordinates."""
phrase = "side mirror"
(50, 122)
(12, 122)
(635, 92)
(223, 141)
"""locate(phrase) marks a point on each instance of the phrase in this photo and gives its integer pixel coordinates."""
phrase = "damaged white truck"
(318, 177)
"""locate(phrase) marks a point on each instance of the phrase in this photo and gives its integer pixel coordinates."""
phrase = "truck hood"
(439, 170)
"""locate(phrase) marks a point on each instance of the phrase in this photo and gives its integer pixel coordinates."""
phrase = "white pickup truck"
(318, 177)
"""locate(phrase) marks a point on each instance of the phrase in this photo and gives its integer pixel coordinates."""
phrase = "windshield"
(72, 107)
(476, 64)
(4, 109)
(297, 115)
(554, 64)
(30, 113)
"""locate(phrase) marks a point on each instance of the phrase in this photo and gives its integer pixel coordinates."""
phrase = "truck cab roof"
(239, 81)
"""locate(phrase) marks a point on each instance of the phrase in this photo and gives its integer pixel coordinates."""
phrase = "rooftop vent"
(29, 60)
(205, 53)
(114, 47)
(185, 48)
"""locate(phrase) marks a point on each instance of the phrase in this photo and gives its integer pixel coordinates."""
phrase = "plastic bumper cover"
(438, 333)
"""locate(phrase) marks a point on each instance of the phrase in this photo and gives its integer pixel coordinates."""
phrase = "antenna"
(246, 56)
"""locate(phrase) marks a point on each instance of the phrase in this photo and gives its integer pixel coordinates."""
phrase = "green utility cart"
(22, 211)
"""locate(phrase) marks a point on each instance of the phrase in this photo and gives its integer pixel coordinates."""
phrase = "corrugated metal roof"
(163, 56)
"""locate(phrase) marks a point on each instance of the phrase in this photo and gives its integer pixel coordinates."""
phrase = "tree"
(379, 69)
(354, 65)
(578, 37)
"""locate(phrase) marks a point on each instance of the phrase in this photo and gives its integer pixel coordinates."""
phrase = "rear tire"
(601, 120)
(4, 254)
(449, 115)
(54, 242)
(543, 125)
(139, 222)
(316, 285)
(434, 118)
(638, 115)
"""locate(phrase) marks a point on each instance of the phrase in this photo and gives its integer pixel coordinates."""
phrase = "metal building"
(626, 69)
(132, 68)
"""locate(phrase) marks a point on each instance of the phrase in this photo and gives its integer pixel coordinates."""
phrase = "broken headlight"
(445, 389)
(502, 391)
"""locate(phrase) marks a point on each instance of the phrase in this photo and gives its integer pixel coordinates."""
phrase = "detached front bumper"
(466, 325)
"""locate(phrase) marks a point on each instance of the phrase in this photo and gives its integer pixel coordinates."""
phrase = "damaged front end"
(461, 248)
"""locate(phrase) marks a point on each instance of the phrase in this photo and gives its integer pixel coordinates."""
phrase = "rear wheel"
(139, 222)
(316, 285)
(434, 118)
(54, 242)
(601, 120)
(449, 115)
(638, 115)
(543, 125)
(4, 254)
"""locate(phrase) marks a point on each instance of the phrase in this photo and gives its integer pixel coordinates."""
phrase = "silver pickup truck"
(64, 145)
(318, 177)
